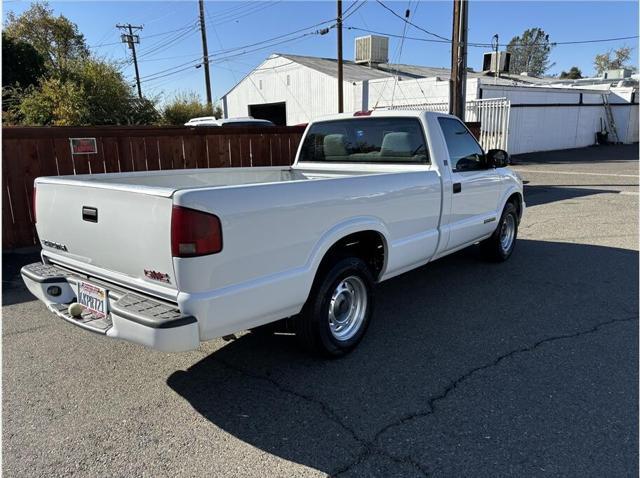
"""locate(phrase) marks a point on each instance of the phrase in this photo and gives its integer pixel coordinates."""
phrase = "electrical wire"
(404, 33)
(162, 44)
(392, 35)
(348, 13)
(411, 23)
(99, 45)
(253, 8)
(159, 74)
(487, 45)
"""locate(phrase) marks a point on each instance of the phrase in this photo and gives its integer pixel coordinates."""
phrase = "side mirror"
(497, 158)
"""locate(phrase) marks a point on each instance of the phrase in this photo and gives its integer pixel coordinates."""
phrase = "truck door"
(475, 187)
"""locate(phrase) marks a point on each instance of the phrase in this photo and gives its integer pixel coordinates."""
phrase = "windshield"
(366, 140)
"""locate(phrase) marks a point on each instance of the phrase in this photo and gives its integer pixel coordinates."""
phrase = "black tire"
(493, 248)
(313, 328)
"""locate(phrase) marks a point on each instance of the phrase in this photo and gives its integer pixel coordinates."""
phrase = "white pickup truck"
(168, 259)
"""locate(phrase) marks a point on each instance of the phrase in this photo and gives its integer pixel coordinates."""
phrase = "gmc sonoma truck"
(169, 259)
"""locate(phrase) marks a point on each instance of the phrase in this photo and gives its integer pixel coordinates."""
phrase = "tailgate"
(108, 230)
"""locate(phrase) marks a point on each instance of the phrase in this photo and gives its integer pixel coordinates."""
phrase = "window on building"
(366, 140)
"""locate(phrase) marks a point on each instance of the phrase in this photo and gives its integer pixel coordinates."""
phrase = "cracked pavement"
(528, 368)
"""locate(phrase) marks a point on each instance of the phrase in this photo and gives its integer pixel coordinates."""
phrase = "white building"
(544, 113)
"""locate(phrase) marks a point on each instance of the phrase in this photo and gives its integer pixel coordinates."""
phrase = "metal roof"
(357, 72)
(329, 66)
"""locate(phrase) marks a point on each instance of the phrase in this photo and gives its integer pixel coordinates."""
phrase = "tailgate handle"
(89, 214)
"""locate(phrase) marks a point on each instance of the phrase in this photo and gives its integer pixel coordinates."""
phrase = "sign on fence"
(83, 146)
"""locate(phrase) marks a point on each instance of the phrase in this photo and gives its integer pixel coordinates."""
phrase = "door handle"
(89, 214)
(457, 187)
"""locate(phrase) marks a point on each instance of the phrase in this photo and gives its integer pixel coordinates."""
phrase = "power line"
(172, 68)
(225, 54)
(488, 45)
(162, 44)
(251, 9)
(348, 13)
(229, 50)
(392, 35)
(592, 41)
(410, 23)
(190, 25)
(404, 33)
(155, 76)
(100, 45)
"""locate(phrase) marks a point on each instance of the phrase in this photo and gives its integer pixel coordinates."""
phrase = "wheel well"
(516, 200)
(367, 245)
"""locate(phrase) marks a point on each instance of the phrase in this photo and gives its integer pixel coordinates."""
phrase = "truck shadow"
(538, 195)
(13, 288)
(431, 327)
(619, 153)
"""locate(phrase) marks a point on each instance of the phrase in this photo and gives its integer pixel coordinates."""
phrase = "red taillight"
(194, 233)
(33, 204)
(362, 113)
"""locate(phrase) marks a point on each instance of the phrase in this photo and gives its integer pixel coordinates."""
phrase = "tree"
(74, 88)
(56, 102)
(142, 111)
(57, 39)
(530, 52)
(106, 94)
(574, 73)
(93, 93)
(185, 106)
(26, 64)
(612, 59)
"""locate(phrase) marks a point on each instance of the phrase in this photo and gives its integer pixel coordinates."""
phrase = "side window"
(464, 151)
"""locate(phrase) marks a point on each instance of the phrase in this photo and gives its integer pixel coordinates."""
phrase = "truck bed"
(197, 178)
(165, 183)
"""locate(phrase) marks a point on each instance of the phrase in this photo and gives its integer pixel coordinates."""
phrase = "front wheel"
(500, 245)
(339, 309)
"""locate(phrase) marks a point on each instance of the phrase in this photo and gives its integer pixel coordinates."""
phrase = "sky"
(171, 46)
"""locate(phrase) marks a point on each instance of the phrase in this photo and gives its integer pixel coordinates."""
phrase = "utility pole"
(496, 57)
(131, 40)
(205, 57)
(340, 81)
(458, 59)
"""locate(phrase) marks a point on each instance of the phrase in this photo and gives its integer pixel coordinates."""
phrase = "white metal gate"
(491, 113)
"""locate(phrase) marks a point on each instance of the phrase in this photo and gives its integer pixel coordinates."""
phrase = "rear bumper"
(132, 316)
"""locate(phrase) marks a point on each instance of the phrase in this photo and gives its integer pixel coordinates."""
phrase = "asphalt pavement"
(527, 368)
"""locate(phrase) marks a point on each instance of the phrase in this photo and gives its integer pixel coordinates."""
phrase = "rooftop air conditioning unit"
(372, 49)
(489, 61)
(617, 74)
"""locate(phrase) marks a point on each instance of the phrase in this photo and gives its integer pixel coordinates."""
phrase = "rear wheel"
(500, 245)
(339, 309)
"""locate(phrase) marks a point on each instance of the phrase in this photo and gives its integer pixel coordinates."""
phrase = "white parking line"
(575, 173)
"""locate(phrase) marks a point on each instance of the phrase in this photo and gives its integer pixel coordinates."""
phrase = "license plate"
(93, 298)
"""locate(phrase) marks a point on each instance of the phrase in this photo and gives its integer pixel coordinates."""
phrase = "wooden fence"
(31, 152)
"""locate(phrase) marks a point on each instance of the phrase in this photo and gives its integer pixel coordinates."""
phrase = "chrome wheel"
(508, 232)
(347, 308)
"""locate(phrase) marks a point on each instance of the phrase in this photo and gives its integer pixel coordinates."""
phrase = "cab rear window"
(366, 140)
